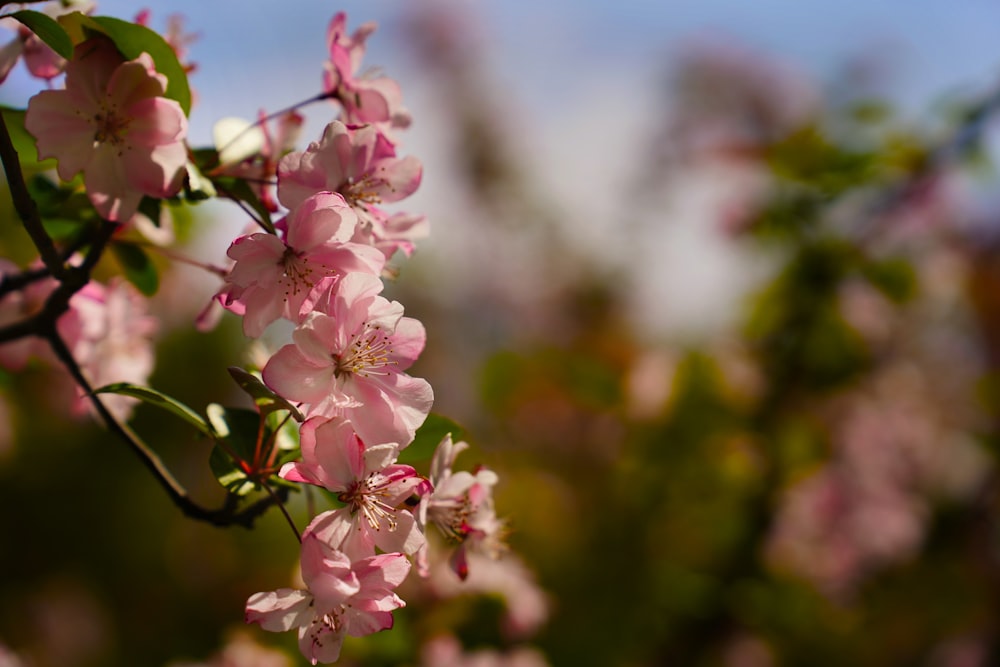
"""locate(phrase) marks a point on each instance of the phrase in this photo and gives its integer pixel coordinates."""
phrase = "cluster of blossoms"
(345, 368)
(119, 135)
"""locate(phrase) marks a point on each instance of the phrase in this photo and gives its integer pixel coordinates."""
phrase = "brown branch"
(25, 205)
(44, 325)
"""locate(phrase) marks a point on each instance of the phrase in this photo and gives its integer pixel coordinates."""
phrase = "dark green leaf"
(239, 190)
(137, 267)
(429, 435)
(150, 207)
(47, 30)
(160, 400)
(61, 229)
(197, 187)
(206, 159)
(228, 472)
(267, 401)
(23, 142)
(132, 40)
(236, 453)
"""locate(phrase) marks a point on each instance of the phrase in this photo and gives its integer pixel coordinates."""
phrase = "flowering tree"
(812, 480)
(334, 408)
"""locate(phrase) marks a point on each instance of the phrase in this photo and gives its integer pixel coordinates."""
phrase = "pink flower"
(365, 100)
(398, 231)
(112, 123)
(275, 278)
(39, 58)
(110, 334)
(367, 479)
(341, 598)
(508, 580)
(461, 505)
(17, 306)
(348, 359)
(361, 164)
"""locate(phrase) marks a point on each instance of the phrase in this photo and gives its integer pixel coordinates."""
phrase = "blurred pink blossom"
(113, 123)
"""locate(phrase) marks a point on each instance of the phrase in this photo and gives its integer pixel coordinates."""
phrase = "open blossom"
(17, 306)
(110, 334)
(341, 598)
(348, 358)
(276, 277)
(374, 487)
(461, 505)
(361, 164)
(364, 99)
(112, 123)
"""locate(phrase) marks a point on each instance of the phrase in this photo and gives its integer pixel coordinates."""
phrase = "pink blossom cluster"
(106, 327)
(118, 137)
(345, 369)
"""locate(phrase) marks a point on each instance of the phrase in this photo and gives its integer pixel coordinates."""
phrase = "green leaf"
(237, 430)
(239, 190)
(23, 142)
(267, 401)
(132, 40)
(151, 208)
(160, 400)
(428, 437)
(229, 474)
(137, 267)
(197, 186)
(48, 30)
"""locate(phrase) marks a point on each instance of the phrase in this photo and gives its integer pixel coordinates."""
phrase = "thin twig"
(326, 95)
(284, 511)
(25, 205)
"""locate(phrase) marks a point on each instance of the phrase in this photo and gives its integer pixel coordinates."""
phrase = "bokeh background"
(714, 286)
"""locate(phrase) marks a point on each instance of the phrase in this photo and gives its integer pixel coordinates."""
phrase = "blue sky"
(253, 52)
(569, 73)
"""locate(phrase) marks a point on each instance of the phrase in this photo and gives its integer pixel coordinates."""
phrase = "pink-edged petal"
(135, 80)
(378, 574)
(361, 623)
(380, 456)
(321, 642)
(398, 178)
(318, 337)
(327, 573)
(333, 527)
(411, 400)
(408, 342)
(156, 120)
(108, 186)
(297, 471)
(41, 60)
(258, 260)
(158, 172)
(60, 133)
(323, 217)
(340, 454)
(280, 610)
(88, 73)
(293, 376)
(405, 538)
(351, 258)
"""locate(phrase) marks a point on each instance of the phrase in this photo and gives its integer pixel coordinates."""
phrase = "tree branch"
(25, 205)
